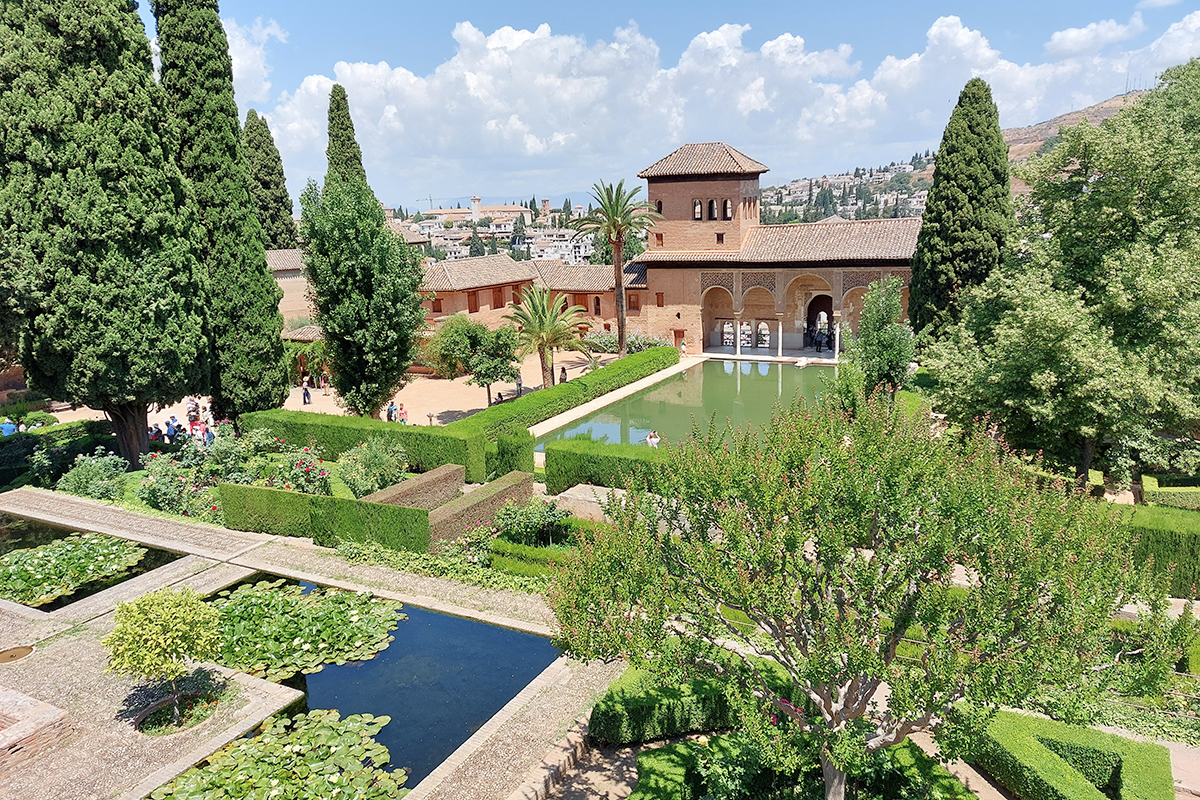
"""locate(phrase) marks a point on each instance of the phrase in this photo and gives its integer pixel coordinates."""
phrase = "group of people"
(306, 384)
(8, 427)
(199, 425)
(397, 413)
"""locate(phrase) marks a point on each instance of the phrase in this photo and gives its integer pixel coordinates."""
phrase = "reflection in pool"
(742, 392)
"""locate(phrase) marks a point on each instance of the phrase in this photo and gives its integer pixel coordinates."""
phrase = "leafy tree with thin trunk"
(158, 633)
(618, 216)
(968, 216)
(343, 154)
(364, 286)
(545, 323)
(494, 359)
(883, 348)
(248, 368)
(95, 218)
(851, 578)
(268, 186)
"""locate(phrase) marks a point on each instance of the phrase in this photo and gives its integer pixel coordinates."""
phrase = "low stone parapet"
(427, 491)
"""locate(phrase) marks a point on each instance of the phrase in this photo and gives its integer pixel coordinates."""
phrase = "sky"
(511, 100)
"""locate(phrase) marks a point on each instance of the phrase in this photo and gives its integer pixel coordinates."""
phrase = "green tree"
(364, 281)
(968, 215)
(95, 221)
(884, 345)
(518, 233)
(837, 537)
(448, 351)
(475, 245)
(494, 359)
(248, 368)
(602, 249)
(268, 188)
(544, 323)
(1087, 343)
(343, 154)
(618, 216)
(156, 635)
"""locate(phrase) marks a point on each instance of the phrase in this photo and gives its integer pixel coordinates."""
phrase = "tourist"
(305, 384)
(499, 398)
(562, 375)
(402, 415)
(653, 439)
(156, 433)
(21, 427)
(683, 348)
(169, 433)
(324, 384)
(391, 411)
(7, 428)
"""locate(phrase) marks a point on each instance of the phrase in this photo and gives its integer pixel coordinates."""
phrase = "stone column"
(779, 326)
(737, 334)
(837, 334)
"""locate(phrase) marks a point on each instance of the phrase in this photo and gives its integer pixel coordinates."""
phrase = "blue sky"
(514, 99)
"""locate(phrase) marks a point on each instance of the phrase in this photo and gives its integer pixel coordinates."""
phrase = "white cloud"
(1091, 38)
(248, 49)
(518, 111)
(1158, 3)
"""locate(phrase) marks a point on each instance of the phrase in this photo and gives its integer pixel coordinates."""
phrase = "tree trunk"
(547, 358)
(489, 391)
(1087, 452)
(129, 424)
(618, 246)
(835, 778)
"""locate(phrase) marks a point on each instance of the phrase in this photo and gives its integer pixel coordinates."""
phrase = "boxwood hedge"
(327, 520)
(582, 460)
(1039, 759)
(1172, 537)
(1177, 491)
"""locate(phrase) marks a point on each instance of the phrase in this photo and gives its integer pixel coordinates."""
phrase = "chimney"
(475, 208)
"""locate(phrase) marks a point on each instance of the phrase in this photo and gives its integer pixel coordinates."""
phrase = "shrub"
(1176, 494)
(328, 520)
(519, 559)
(605, 342)
(100, 475)
(448, 522)
(372, 465)
(636, 709)
(302, 472)
(1171, 537)
(539, 406)
(512, 452)
(169, 486)
(1039, 759)
(427, 446)
(448, 351)
(537, 522)
(582, 460)
(39, 418)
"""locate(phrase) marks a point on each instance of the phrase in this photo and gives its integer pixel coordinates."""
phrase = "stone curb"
(560, 759)
(548, 676)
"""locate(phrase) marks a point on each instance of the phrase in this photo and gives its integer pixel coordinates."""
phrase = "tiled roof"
(308, 333)
(859, 240)
(285, 260)
(593, 278)
(475, 273)
(405, 230)
(711, 158)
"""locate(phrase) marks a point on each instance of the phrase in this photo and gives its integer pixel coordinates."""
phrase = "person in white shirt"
(653, 439)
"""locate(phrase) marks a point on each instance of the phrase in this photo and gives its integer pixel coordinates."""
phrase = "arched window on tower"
(697, 210)
(728, 210)
(712, 209)
(658, 206)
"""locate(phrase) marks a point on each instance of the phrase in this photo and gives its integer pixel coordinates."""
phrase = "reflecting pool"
(440, 680)
(742, 392)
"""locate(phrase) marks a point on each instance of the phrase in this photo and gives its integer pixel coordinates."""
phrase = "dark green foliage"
(968, 215)
(100, 475)
(427, 446)
(1177, 492)
(448, 351)
(343, 154)
(1038, 759)
(268, 187)
(636, 709)
(364, 282)
(537, 522)
(581, 460)
(328, 520)
(542, 559)
(883, 348)
(248, 371)
(60, 444)
(95, 220)
(539, 406)
(1172, 538)
(512, 451)
(475, 246)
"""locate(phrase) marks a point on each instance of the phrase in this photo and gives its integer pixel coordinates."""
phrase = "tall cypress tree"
(248, 367)
(268, 188)
(968, 216)
(95, 220)
(342, 153)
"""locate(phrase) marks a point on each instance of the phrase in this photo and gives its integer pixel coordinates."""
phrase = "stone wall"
(426, 491)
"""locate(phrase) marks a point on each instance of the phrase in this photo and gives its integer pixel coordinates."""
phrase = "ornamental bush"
(169, 486)
(537, 522)
(375, 464)
(302, 472)
(100, 475)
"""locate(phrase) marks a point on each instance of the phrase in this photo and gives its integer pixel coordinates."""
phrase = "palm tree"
(544, 322)
(617, 216)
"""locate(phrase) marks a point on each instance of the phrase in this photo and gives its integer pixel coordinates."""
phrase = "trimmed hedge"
(511, 452)
(327, 520)
(1039, 759)
(635, 709)
(521, 559)
(581, 460)
(450, 521)
(528, 410)
(427, 490)
(427, 446)
(1171, 536)
(1175, 495)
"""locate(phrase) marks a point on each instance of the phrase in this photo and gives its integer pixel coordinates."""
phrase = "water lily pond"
(48, 567)
(440, 680)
